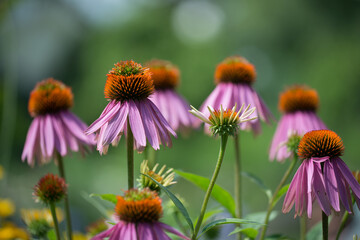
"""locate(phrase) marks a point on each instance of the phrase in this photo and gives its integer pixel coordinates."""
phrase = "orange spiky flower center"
(320, 143)
(298, 98)
(50, 189)
(164, 74)
(235, 69)
(49, 96)
(128, 80)
(139, 206)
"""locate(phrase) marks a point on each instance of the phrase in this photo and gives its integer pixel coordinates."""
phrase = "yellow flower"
(29, 215)
(7, 208)
(10, 231)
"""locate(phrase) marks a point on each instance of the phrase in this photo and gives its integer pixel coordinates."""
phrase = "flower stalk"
(238, 182)
(272, 201)
(66, 199)
(130, 156)
(56, 224)
(325, 226)
(223, 143)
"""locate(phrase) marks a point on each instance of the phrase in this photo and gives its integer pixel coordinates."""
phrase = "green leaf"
(177, 203)
(227, 221)
(218, 193)
(51, 235)
(260, 216)
(209, 214)
(315, 233)
(282, 191)
(278, 237)
(249, 232)
(258, 182)
(108, 197)
(95, 204)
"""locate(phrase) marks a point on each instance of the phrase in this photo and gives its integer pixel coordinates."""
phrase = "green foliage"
(281, 192)
(218, 193)
(107, 197)
(258, 182)
(249, 232)
(177, 203)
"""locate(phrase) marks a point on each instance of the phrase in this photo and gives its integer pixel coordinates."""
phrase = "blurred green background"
(306, 42)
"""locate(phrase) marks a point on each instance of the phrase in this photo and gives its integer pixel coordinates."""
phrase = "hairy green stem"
(271, 203)
(130, 156)
(303, 228)
(66, 198)
(238, 183)
(56, 224)
(211, 185)
(325, 226)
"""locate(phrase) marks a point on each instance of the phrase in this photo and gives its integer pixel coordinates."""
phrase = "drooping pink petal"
(161, 119)
(49, 135)
(60, 142)
(149, 126)
(172, 230)
(136, 124)
(144, 232)
(289, 199)
(342, 189)
(319, 190)
(107, 114)
(106, 233)
(73, 126)
(159, 233)
(42, 136)
(346, 173)
(116, 125)
(31, 139)
(309, 192)
(331, 185)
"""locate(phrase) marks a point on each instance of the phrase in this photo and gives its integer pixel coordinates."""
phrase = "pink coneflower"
(138, 212)
(234, 77)
(54, 130)
(299, 105)
(173, 106)
(322, 176)
(128, 87)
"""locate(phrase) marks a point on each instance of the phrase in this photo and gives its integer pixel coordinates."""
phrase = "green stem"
(56, 224)
(271, 203)
(66, 198)
(237, 183)
(130, 156)
(303, 228)
(342, 225)
(325, 226)
(211, 185)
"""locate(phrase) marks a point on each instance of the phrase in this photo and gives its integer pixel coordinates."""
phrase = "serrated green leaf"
(281, 192)
(177, 203)
(227, 221)
(258, 182)
(218, 193)
(107, 197)
(249, 232)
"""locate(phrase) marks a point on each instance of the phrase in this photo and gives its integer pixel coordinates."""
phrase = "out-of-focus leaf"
(177, 203)
(209, 214)
(282, 191)
(249, 232)
(95, 204)
(227, 221)
(258, 182)
(218, 193)
(260, 216)
(315, 233)
(278, 237)
(51, 235)
(108, 197)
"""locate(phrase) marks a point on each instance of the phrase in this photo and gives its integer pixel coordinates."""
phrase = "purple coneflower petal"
(291, 193)
(342, 189)
(161, 119)
(171, 230)
(75, 126)
(136, 124)
(346, 173)
(116, 125)
(319, 190)
(309, 192)
(30, 142)
(331, 185)
(49, 135)
(60, 141)
(150, 130)
(159, 233)
(107, 114)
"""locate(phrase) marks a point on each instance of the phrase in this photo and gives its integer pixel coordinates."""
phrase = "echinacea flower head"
(128, 87)
(166, 178)
(298, 105)
(50, 189)
(323, 176)
(226, 121)
(234, 78)
(7, 207)
(138, 213)
(174, 107)
(54, 129)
